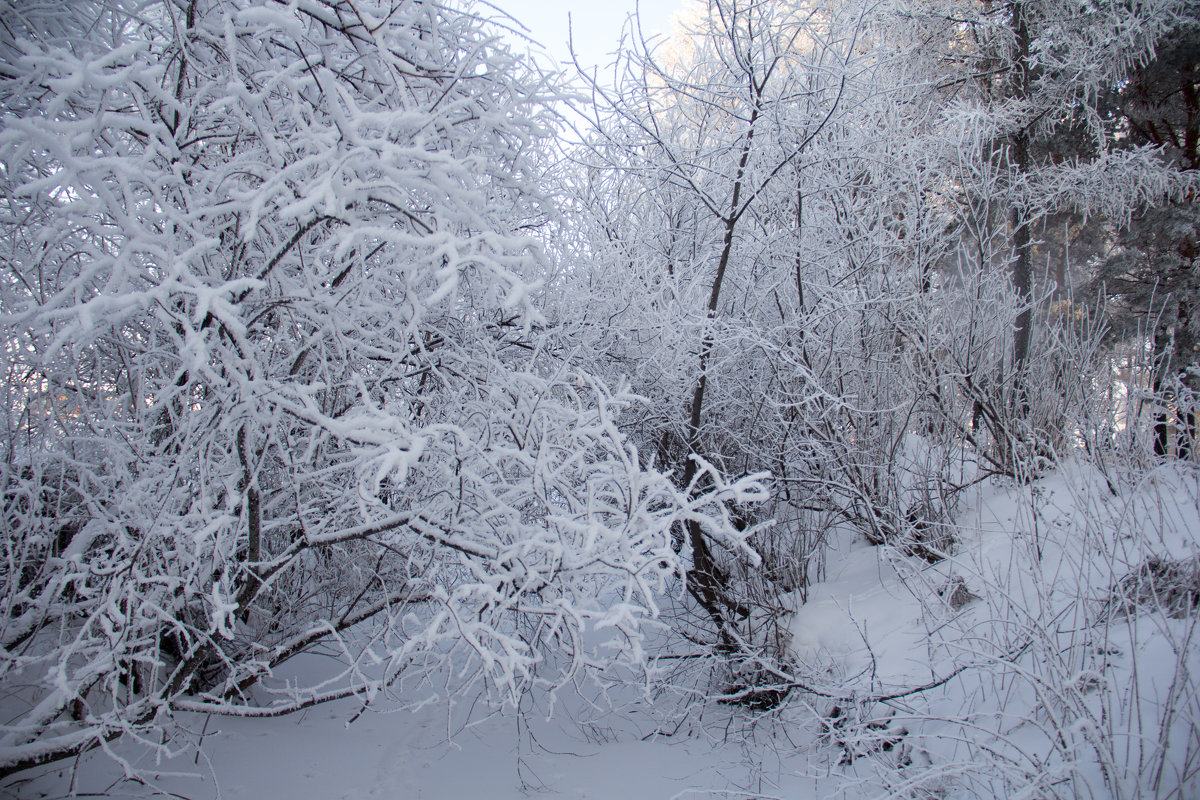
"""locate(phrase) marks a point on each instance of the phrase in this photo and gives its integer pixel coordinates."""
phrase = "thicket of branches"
(304, 342)
(812, 242)
(274, 377)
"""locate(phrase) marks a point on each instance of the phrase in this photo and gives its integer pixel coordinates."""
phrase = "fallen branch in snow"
(788, 682)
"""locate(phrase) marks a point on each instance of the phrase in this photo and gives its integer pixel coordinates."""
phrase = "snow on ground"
(863, 620)
(1058, 690)
(405, 754)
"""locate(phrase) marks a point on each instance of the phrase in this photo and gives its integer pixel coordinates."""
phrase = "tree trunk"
(1022, 257)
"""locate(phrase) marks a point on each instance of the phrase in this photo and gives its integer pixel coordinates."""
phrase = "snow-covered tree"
(274, 376)
(762, 225)
(688, 155)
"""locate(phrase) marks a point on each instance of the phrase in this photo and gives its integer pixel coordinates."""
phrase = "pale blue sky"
(596, 23)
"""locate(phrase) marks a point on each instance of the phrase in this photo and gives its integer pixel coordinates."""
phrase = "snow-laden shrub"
(274, 376)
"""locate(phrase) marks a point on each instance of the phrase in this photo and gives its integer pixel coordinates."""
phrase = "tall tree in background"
(1153, 272)
(1033, 76)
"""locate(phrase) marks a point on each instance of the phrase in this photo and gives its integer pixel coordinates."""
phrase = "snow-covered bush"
(274, 378)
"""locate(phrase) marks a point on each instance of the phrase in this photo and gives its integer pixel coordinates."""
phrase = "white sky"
(596, 23)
